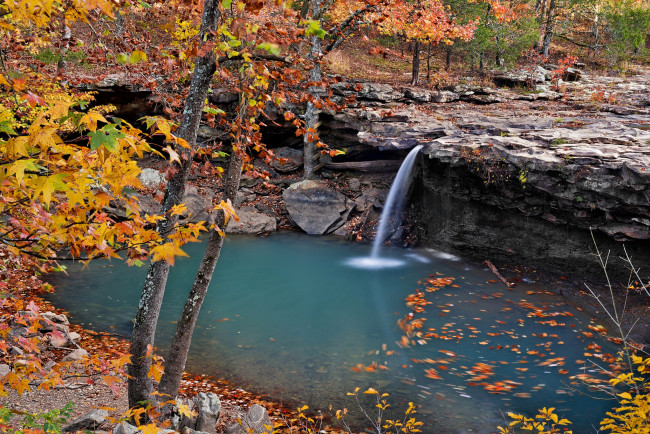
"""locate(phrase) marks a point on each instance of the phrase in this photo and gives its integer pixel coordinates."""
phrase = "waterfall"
(395, 200)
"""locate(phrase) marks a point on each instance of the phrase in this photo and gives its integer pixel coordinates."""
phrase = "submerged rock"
(314, 207)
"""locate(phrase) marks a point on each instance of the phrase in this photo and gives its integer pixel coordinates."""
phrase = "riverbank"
(88, 388)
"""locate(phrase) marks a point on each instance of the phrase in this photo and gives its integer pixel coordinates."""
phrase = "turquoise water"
(289, 316)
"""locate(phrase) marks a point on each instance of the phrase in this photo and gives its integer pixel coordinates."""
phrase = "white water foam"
(370, 263)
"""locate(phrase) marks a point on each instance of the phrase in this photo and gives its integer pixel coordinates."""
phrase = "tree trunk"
(497, 54)
(429, 63)
(177, 358)
(61, 64)
(548, 32)
(142, 338)
(415, 72)
(448, 58)
(311, 115)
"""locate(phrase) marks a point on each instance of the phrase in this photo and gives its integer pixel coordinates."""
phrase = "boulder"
(313, 206)
(198, 205)
(74, 337)
(208, 407)
(4, 370)
(572, 74)
(255, 421)
(290, 159)
(55, 318)
(51, 321)
(181, 421)
(57, 340)
(188, 430)
(370, 92)
(152, 178)
(88, 421)
(251, 222)
(76, 355)
(125, 428)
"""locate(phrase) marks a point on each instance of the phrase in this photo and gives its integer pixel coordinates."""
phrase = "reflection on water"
(288, 316)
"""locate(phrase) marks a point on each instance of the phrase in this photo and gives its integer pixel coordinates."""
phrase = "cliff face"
(518, 180)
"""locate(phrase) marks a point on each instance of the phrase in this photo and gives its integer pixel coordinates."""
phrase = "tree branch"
(579, 44)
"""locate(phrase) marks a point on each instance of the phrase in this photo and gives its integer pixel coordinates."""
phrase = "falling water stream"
(390, 216)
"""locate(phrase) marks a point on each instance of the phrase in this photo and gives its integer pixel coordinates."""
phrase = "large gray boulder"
(89, 421)
(313, 206)
(251, 222)
(208, 407)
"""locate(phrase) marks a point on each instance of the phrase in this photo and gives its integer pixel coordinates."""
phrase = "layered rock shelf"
(518, 179)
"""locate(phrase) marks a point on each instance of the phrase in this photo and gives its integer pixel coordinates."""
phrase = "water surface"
(294, 317)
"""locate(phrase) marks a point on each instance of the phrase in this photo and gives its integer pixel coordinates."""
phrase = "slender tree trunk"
(429, 63)
(540, 9)
(119, 24)
(497, 55)
(448, 58)
(177, 358)
(61, 64)
(311, 115)
(415, 71)
(548, 32)
(142, 338)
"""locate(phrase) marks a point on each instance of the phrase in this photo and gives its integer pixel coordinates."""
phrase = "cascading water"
(392, 207)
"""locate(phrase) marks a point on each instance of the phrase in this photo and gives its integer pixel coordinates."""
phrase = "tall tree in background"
(346, 17)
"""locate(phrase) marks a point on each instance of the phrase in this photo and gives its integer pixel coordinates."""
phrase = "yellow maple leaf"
(173, 155)
(91, 119)
(149, 429)
(155, 372)
(228, 210)
(167, 252)
(184, 410)
(179, 209)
